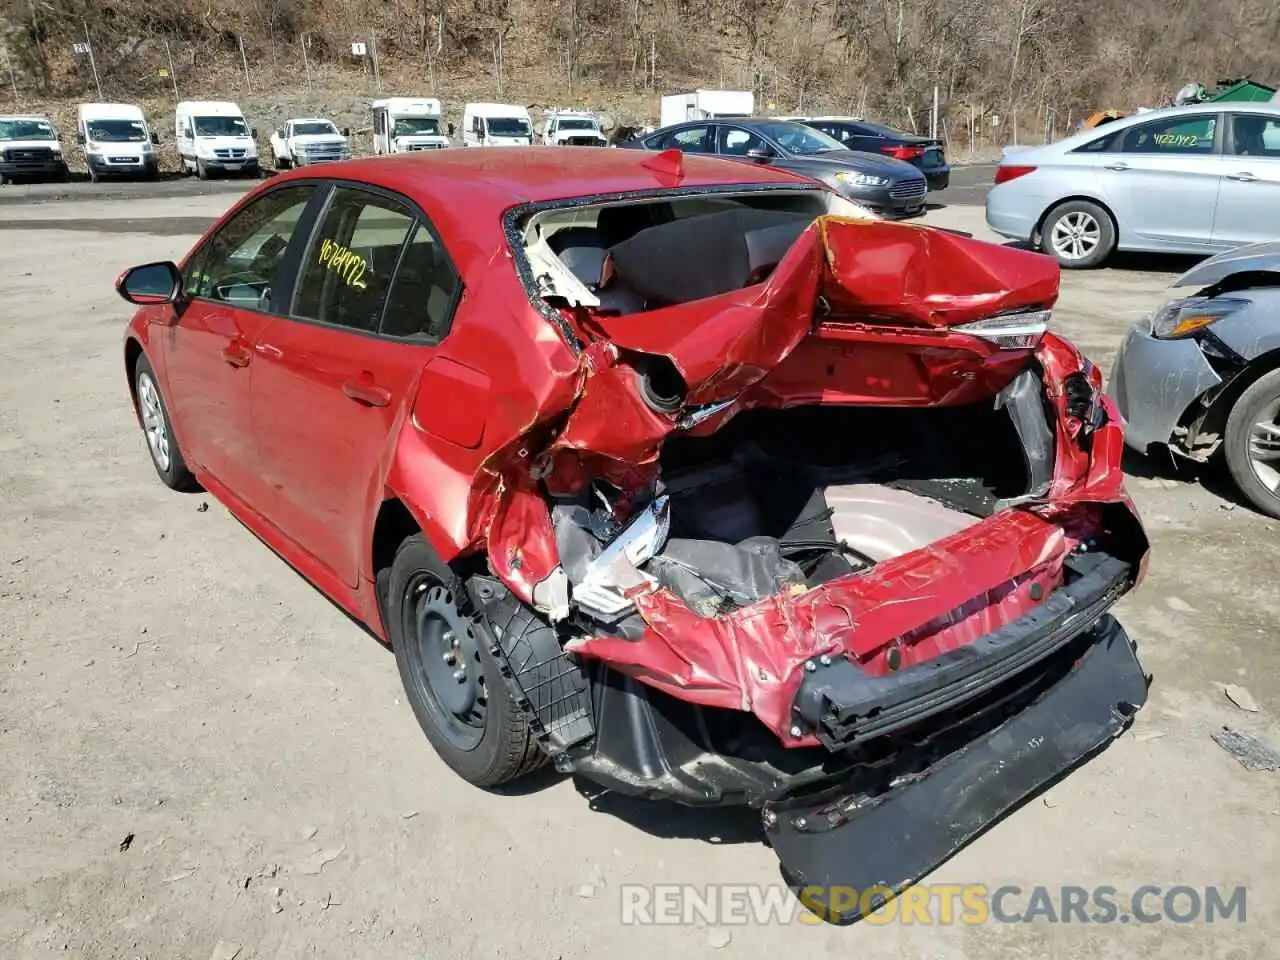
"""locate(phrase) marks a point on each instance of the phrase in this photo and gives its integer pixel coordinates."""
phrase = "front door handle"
(1118, 165)
(1245, 177)
(235, 354)
(363, 390)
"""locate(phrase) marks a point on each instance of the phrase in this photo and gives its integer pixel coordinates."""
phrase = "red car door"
(208, 346)
(374, 294)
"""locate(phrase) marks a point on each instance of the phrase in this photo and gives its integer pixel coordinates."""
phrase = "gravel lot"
(164, 678)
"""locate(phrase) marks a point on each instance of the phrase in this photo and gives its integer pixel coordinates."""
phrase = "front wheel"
(1079, 234)
(201, 170)
(158, 428)
(1251, 445)
(452, 681)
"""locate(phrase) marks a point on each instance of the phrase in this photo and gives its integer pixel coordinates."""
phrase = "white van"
(29, 149)
(404, 124)
(214, 137)
(116, 141)
(496, 125)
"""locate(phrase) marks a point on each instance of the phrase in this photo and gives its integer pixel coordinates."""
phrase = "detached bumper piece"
(1081, 699)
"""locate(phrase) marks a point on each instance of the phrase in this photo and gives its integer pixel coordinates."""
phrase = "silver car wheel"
(1075, 235)
(153, 421)
(1264, 446)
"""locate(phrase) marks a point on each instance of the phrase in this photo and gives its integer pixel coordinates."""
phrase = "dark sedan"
(926, 153)
(889, 187)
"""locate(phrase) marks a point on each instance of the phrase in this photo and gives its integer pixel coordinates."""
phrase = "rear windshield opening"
(640, 256)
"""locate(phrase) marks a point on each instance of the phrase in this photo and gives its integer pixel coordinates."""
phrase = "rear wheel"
(1251, 445)
(1078, 234)
(452, 681)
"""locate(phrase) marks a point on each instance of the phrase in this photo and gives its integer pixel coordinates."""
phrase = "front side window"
(1172, 135)
(239, 264)
(221, 127)
(736, 142)
(1255, 135)
(690, 140)
(347, 269)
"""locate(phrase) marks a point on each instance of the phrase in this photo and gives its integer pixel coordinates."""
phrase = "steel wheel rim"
(447, 672)
(1264, 446)
(153, 422)
(1075, 235)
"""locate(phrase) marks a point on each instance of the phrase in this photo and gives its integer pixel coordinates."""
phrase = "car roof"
(1189, 111)
(466, 192)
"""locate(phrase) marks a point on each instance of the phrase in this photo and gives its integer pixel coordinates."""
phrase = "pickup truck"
(569, 129)
(300, 143)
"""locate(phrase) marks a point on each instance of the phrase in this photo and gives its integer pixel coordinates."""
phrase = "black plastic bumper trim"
(889, 842)
(847, 707)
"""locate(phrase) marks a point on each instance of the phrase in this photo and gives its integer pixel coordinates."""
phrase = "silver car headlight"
(861, 179)
(1184, 316)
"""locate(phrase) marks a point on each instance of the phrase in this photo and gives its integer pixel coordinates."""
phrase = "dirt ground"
(168, 682)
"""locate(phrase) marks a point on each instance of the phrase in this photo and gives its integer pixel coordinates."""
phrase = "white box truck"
(116, 141)
(407, 124)
(496, 125)
(706, 105)
(214, 137)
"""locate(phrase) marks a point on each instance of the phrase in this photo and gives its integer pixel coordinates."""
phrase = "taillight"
(902, 152)
(1006, 173)
(1011, 331)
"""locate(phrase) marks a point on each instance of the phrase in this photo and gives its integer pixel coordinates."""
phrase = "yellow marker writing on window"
(346, 263)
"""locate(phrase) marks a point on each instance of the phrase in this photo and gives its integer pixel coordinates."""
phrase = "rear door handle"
(1118, 165)
(364, 390)
(1244, 177)
(235, 354)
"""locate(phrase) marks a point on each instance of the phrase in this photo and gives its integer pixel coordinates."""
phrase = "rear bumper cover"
(847, 707)
(834, 848)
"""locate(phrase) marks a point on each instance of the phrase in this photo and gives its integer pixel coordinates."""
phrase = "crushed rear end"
(838, 544)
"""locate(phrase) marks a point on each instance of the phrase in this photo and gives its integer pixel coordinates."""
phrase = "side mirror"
(346, 131)
(155, 137)
(80, 138)
(151, 283)
(450, 128)
(254, 133)
(760, 154)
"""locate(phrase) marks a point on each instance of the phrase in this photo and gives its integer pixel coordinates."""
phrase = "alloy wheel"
(153, 421)
(1075, 235)
(1264, 446)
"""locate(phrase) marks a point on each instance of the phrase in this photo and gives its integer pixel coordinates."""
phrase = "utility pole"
(173, 74)
(92, 62)
(373, 49)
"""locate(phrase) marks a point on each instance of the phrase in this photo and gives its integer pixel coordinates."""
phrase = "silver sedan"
(1197, 179)
(1201, 375)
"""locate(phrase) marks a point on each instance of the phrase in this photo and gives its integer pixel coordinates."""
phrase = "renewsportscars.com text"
(936, 904)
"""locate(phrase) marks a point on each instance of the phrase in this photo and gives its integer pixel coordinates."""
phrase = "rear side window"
(424, 291)
(1173, 135)
(346, 272)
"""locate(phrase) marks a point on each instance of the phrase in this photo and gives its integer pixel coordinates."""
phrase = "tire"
(1091, 226)
(163, 447)
(201, 170)
(284, 163)
(1261, 402)
(494, 744)
(5, 180)
(93, 175)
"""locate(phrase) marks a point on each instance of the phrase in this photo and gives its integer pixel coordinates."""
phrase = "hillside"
(1003, 69)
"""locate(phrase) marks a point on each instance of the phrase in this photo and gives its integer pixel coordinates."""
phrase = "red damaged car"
(675, 472)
